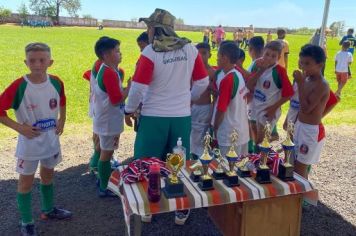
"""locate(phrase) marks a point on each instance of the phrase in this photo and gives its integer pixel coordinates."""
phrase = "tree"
(4, 13)
(52, 8)
(338, 27)
(23, 12)
(87, 16)
(179, 21)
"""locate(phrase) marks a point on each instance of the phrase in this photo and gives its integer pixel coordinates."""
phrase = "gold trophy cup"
(285, 171)
(232, 179)
(242, 169)
(206, 182)
(263, 173)
(173, 185)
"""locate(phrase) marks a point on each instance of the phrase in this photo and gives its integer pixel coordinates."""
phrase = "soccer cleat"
(105, 193)
(181, 217)
(28, 230)
(146, 218)
(57, 213)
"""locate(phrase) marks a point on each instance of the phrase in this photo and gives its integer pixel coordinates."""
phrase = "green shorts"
(156, 136)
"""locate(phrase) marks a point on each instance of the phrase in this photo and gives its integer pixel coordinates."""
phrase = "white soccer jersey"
(36, 105)
(231, 101)
(162, 80)
(108, 112)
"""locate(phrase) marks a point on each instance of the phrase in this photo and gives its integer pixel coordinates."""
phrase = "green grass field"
(72, 51)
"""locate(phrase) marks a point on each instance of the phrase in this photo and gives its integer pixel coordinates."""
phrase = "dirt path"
(75, 189)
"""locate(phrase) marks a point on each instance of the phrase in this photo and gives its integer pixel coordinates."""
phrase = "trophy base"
(285, 173)
(243, 173)
(173, 190)
(231, 180)
(263, 176)
(206, 184)
(194, 177)
(219, 175)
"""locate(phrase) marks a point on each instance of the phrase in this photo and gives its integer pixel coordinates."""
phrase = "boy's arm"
(200, 79)
(6, 101)
(286, 56)
(255, 75)
(225, 93)
(332, 101)
(307, 104)
(111, 84)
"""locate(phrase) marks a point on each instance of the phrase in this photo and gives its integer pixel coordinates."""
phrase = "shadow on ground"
(75, 190)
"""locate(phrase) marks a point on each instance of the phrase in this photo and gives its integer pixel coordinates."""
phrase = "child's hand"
(298, 76)
(128, 119)
(60, 126)
(29, 131)
(270, 113)
(261, 63)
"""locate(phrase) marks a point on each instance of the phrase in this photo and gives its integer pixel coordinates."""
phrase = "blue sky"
(260, 13)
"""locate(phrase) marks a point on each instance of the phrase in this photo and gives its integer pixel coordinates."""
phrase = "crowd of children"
(221, 98)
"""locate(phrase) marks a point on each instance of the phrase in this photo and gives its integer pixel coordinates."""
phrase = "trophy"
(232, 179)
(285, 171)
(242, 169)
(206, 182)
(263, 173)
(219, 172)
(197, 171)
(174, 186)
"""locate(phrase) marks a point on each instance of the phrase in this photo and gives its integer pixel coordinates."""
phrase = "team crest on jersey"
(53, 103)
(304, 149)
(294, 104)
(266, 84)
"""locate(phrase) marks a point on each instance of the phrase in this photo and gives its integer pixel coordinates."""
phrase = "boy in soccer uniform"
(39, 103)
(271, 90)
(230, 110)
(142, 40)
(343, 60)
(313, 90)
(108, 105)
(202, 108)
(283, 59)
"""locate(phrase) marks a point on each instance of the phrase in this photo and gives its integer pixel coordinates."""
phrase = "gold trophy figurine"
(206, 182)
(219, 172)
(197, 171)
(232, 179)
(242, 169)
(173, 185)
(285, 171)
(263, 173)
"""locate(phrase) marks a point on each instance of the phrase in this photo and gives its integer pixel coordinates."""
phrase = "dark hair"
(346, 44)
(257, 43)
(242, 54)
(105, 44)
(143, 37)
(275, 46)
(313, 51)
(281, 31)
(351, 31)
(229, 48)
(203, 46)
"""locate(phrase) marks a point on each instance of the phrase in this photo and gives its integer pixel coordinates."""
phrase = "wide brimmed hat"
(160, 18)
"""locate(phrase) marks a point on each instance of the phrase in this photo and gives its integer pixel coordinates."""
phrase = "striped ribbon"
(273, 160)
(138, 170)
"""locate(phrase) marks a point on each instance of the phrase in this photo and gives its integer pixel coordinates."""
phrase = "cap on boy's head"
(36, 47)
(203, 46)
(229, 49)
(257, 43)
(313, 51)
(346, 44)
(143, 37)
(105, 44)
(275, 46)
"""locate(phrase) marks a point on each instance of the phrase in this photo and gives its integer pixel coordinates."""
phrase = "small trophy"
(263, 173)
(285, 171)
(174, 186)
(219, 172)
(206, 182)
(242, 169)
(232, 179)
(197, 171)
